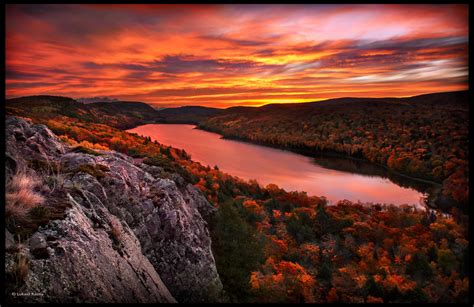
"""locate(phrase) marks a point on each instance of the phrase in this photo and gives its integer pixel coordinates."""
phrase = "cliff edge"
(100, 227)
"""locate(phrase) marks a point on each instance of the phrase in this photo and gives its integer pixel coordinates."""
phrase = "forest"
(297, 247)
(423, 137)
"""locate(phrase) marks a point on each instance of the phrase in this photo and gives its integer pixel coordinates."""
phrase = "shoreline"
(432, 201)
(312, 154)
(433, 192)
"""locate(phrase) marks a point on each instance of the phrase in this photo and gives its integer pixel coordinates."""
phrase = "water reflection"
(288, 170)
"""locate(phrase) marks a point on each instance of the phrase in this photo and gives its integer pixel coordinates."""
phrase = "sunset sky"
(225, 55)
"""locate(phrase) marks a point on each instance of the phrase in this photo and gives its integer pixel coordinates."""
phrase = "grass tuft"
(21, 196)
(20, 268)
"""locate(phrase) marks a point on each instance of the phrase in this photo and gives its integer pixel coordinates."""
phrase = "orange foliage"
(332, 296)
(276, 214)
(371, 299)
(253, 206)
(285, 277)
(399, 282)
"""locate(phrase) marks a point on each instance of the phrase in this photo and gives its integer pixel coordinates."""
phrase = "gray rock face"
(35, 142)
(85, 265)
(130, 235)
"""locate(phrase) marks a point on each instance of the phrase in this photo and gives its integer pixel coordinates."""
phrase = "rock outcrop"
(129, 234)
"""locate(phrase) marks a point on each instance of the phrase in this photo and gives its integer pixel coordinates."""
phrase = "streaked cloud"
(224, 55)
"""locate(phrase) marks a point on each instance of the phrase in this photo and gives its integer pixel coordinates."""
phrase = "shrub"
(159, 160)
(83, 145)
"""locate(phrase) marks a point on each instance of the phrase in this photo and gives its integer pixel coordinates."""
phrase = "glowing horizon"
(229, 55)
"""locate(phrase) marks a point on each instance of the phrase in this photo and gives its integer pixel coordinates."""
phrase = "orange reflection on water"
(268, 165)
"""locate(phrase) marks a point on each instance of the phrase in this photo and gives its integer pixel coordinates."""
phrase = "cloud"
(184, 64)
(124, 66)
(181, 64)
(234, 41)
(235, 54)
(11, 74)
(76, 23)
(412, 44)
(20, 85)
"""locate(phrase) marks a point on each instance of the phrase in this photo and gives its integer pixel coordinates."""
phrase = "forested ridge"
(119, 114)
(424, 136)
(272, 245)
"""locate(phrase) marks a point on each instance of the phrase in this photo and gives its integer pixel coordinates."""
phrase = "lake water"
(290, 171)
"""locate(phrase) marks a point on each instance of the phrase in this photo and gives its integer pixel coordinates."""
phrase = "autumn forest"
(402, 108)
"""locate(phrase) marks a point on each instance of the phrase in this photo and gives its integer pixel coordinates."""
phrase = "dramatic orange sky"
(225, 55)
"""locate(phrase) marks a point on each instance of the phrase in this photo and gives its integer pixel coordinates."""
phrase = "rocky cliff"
(127, 234)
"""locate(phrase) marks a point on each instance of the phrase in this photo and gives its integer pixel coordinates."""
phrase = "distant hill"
(187, 115)
(197, 114)
(119, 114)
(448, 99)
(96, 99)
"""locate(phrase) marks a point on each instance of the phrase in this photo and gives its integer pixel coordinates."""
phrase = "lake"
(288, 170)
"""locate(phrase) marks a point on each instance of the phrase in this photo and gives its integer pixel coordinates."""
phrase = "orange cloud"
(225, 55)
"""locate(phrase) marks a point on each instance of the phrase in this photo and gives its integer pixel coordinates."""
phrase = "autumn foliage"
(424, 137)
(271, 245)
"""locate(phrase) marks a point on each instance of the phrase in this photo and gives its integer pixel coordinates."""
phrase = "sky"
(227, 55)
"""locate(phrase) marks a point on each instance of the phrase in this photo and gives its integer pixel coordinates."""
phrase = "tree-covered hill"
(424, 136)
(119, 114)
(186, 115)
